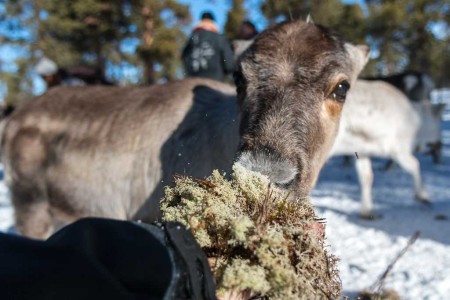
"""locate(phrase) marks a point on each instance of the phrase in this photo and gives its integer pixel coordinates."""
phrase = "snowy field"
(367, 247)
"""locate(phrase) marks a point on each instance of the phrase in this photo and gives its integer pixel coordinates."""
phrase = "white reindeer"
(379, 120)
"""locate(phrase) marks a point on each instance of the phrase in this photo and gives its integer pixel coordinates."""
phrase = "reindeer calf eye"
(340, 91)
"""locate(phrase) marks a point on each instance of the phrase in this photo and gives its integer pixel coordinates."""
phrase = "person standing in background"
(78, 75)
(54, 76)
(207, 53)
(247, 31)
(244, 37)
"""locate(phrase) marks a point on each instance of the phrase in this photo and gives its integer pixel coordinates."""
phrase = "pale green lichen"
(240, 227)
(256, 238)
(242, 275)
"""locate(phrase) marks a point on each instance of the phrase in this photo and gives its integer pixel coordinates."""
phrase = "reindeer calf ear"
(364, 48)
(309, 19)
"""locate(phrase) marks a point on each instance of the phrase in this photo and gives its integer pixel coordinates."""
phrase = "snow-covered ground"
(367, 247)
(6, 212)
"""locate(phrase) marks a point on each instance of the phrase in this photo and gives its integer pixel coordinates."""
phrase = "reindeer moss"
(257, 240)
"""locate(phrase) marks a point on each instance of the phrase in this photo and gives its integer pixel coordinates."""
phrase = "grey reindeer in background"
(109, 151)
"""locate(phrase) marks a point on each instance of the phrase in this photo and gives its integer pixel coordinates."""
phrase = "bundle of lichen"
(258, 242)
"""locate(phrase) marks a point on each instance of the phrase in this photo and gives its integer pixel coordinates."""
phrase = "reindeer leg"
(32, 214)
(365, 176)
(27, 157)
(411, 165)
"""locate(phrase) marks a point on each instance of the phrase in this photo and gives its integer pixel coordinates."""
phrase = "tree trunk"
(147, 41)
(149, 73)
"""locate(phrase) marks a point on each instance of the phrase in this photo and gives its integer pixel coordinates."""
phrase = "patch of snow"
(6, 211)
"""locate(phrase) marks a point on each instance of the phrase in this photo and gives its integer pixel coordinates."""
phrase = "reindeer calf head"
(292, 83)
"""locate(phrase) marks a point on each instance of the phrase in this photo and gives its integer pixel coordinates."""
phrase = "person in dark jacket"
(207, 53)
(247, 31)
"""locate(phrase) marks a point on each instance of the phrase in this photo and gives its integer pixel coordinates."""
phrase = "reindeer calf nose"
(281, 172)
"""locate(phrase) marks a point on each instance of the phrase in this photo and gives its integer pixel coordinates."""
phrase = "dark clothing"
(90, 75)
(209, 55)
(106, 259)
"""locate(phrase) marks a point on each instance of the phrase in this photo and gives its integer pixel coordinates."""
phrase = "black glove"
(106, 259)
(192, 277)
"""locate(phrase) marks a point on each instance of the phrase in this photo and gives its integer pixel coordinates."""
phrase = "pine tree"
(83, 31)
(352, 24)
(92, 32)
(68, 32)
(19, 21)
(400, 31)
(95, 30)
(235, 17)
(161, 38)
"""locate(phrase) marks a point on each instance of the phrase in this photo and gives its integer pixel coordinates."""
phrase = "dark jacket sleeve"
(106, 259)
(227, 55)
